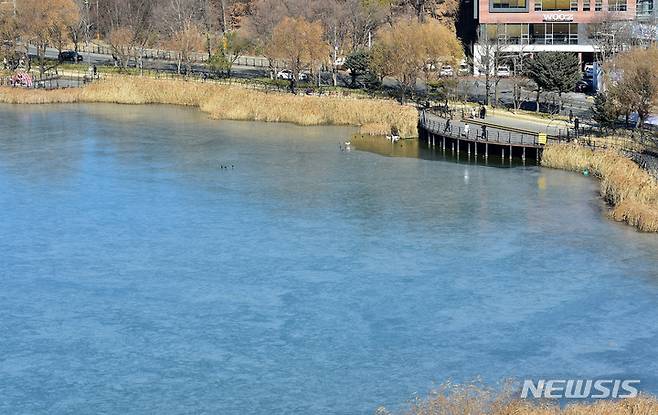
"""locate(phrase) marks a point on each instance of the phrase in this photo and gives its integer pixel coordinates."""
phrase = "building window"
(506, 34)
(644, 8)
(556, 5)
(598, 5)
(554, 33)
(617, 5)
(585, 5)
(508, 4)
(537, 5)
(574, 5)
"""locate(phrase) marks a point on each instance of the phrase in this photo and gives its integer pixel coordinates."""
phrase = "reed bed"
(641, 405)
(631, 191)
(230, 102)
(475, 399)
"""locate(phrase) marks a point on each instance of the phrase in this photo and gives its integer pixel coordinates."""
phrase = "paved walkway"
(551, 127)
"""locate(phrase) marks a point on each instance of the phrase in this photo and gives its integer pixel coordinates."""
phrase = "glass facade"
(644, 8)
(507, 4)
(617, 5)
(532, 34)
(555, 5)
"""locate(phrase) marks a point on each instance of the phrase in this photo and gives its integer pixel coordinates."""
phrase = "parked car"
(589, 70)
(583, 86)
(503, 71)
(446, 70)
(70, 56)
(464, 69)
(286, 74)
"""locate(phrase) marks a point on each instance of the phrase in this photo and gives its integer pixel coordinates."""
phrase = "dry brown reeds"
(631, 191)
(377, 116)
(475, 399)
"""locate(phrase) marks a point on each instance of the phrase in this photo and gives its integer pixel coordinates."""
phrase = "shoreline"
(630, 191)
(232, 102)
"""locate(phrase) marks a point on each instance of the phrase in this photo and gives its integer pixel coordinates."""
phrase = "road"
(152, 64)
(468, 86)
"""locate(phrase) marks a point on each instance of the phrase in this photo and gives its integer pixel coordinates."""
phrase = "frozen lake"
(139, 276)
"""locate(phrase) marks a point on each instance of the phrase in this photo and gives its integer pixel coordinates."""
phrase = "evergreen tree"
(358, 63)
(554, 71)
(604, 111)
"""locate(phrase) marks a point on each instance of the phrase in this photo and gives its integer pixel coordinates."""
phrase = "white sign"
(580, 388)
(558, 17)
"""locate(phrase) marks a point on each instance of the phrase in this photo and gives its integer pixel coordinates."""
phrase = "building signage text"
(559, 17)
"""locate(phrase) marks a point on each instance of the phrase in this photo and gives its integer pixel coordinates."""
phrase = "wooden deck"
(480, 137)
(491, 134)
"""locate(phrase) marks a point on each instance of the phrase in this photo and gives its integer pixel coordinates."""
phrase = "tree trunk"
(537, 100)
(420, 10)
(495, 94)
(41, 53)
(223, 22)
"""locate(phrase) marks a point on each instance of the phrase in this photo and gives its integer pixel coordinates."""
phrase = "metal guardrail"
(443, 127)
(168, 55)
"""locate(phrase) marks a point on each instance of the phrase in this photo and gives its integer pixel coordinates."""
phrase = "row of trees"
(38, 23)
(407, 50)
(215, 27)
(403, 39)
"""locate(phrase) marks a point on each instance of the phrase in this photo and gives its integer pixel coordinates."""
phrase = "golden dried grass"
(234, 103)
(475, 399)
(631, 191)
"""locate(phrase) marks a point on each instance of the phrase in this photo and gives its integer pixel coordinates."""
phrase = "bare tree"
(300, 44)
(9, 33)
(610, 35)
(129, 26)
(406, 50)
(486, 61)
(187, 42)
(44, 22)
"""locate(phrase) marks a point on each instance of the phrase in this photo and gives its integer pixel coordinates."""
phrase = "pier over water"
(479, 137)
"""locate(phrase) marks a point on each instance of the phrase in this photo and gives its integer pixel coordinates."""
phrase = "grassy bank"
(375, 116)
(631, 192)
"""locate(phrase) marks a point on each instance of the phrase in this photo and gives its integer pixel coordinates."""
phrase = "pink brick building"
(529, 26)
